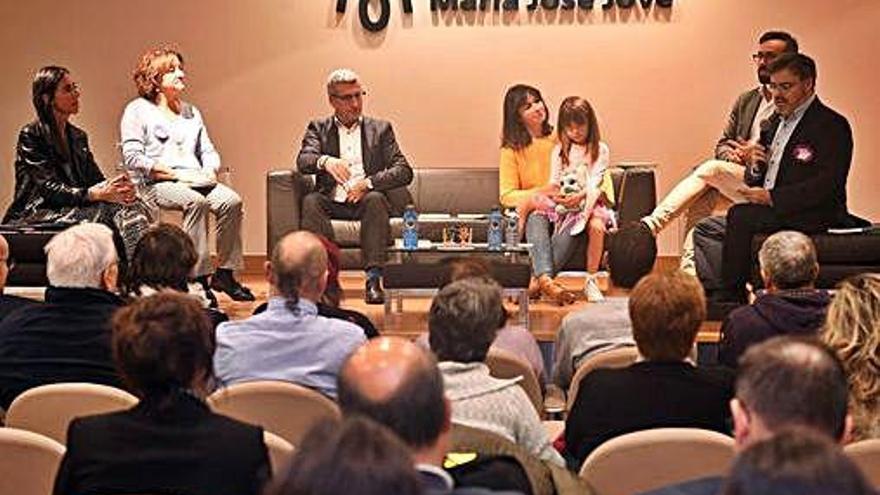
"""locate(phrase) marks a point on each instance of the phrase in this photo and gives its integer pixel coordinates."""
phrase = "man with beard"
(713, 185)
(800, 176)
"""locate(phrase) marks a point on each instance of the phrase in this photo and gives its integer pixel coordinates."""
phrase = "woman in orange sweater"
(526, 144)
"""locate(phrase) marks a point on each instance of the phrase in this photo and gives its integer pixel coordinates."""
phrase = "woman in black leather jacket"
(56, 177)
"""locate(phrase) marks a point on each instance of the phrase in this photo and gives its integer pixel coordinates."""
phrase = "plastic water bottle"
(511, 228)
(495, 233)
(410, 228)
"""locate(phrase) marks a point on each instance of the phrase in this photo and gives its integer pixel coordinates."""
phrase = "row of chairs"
(627, 464)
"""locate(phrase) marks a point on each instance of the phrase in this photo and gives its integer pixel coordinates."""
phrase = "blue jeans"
(549, 252)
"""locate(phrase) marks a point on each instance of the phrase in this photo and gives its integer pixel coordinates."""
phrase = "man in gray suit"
(714, 185)
(361, 174)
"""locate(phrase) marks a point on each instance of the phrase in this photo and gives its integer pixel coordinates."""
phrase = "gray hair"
(78, 256)
(788, 260)
(341, 76)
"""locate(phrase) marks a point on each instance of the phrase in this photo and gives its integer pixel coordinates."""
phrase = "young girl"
(581, 152)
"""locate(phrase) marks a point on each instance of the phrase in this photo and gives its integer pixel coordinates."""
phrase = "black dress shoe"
(206, 288)
(373, 293)
(223, 281)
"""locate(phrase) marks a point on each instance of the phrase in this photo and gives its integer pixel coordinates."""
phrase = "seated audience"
(463, 321)
(329, 304)
(664, 390)
(512, 338)
(789, 305)
(796, 462)
(782, 383)
(394, 382)
(290, 341)
(357, 456)
(8, 303)
(67, 339)
(602, 327)
(852, 332)
(56, 177)
(170, 442)
(164, 259)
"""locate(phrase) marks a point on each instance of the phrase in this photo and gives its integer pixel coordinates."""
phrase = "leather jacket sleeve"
(37, 163)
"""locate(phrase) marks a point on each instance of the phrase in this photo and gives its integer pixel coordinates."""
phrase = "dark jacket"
(47, 183)
(183, 449)
(8, 304)
(384, 163)
(810, 190)
(797, 312)
(611, 402)
(66, 339)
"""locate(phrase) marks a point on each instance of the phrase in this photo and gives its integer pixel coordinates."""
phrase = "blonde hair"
(852, 329)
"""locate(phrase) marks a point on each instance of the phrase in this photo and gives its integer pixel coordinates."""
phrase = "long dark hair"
(514, 133)
(576, 110)
(46, 82)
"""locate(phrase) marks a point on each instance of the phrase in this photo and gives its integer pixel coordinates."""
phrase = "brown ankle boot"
(552, 290)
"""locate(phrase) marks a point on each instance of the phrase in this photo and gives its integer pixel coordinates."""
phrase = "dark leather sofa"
(438, 190)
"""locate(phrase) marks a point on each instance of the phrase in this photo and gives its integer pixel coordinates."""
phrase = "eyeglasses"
(70, 88)
(766, 56)
(783, 87)
(349, 97)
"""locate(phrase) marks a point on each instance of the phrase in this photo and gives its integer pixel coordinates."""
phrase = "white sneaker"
(591, 290)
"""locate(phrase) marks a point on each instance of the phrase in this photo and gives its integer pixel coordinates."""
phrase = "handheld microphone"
(755, 172)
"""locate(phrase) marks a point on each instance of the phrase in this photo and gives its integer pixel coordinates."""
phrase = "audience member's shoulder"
(11, 304)
(716, 375)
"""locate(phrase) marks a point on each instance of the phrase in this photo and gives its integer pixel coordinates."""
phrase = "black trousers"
(743, 223)
(373, 212)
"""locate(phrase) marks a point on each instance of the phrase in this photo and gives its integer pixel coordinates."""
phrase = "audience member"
(67, 339)
(56, 177)
(463, 321)
(290, 341)
(853, 332)
(789, 305)
(170, 442)
(8, 303)
(180, 173)
(796, 462)
(329, 304)
(714, 185)
(358, 456)
(782, 383)
(361, 174)
(394, 382)
(164, 259)
(664, 390)
(602, 327)
(512, 338)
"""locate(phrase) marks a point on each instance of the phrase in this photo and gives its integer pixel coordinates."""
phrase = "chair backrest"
(48, 409)
(503, 364)
(619, 357)
(284, 408)
(866, 455)
(650, 459)
(28, 462)
(280, 452)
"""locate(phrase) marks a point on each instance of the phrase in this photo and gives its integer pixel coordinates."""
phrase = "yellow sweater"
(522, 172)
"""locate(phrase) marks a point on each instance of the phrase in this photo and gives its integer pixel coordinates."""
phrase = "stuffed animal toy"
(573, 181)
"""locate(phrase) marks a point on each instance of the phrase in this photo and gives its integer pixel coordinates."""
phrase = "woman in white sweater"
(165, 145)
(464, 319)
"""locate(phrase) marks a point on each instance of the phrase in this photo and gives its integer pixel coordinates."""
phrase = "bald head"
(398, 384)
(299, 266)
(4, 259)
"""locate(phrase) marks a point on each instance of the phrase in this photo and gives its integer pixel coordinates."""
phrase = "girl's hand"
(571, 200)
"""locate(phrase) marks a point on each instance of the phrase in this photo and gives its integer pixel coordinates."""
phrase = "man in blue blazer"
(361, 174)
